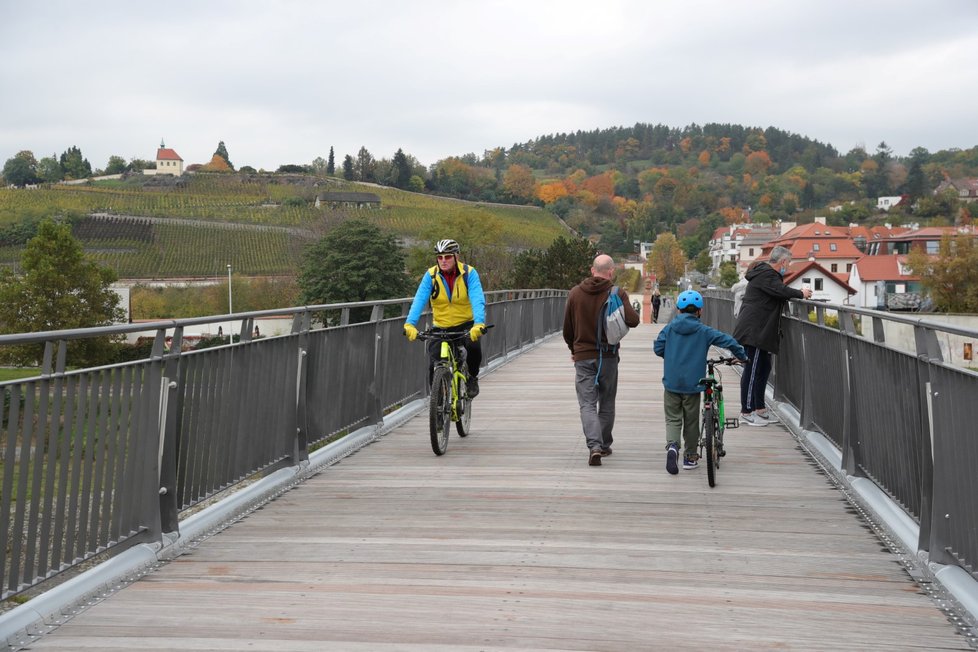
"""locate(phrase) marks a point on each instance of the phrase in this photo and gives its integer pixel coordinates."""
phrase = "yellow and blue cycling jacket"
(465, 303)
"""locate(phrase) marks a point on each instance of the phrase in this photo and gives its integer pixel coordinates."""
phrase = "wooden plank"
(511, 541)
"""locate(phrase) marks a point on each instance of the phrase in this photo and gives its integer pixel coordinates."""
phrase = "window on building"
(835, 267)
(807, 281)
(815, 247)
(750, 252)
(832, 247)
(848, 267)
(819, 284)
(933, 247)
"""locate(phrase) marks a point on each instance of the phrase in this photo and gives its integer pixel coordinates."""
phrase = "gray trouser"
(682, 418)
(597, 401)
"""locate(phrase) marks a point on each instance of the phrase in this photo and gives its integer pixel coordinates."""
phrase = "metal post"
(230, 306)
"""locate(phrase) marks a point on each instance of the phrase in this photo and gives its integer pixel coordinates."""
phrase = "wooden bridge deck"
(511, 542)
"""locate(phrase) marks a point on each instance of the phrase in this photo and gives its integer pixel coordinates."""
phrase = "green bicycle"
(449, 401)
(714, 418)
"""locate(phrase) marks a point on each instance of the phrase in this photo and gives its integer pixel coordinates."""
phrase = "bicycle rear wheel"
(709, 441)
(464, 406)
(440, 409)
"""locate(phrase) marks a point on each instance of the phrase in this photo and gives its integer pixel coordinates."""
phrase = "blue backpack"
(611, 323)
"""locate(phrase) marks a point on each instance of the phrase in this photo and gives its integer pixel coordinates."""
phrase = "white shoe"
(752, 420)
(763, 414)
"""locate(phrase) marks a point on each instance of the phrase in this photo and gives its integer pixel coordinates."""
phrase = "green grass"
(16, 373)
(177, 250)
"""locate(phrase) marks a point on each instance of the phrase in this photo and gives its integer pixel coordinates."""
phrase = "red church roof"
(167, 154)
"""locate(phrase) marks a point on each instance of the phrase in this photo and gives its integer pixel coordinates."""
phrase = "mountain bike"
(449, 401)
(714, 418)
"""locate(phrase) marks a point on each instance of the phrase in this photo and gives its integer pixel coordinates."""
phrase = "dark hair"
(691, 309)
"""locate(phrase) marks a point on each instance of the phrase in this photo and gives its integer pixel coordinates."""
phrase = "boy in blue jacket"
(684, 345)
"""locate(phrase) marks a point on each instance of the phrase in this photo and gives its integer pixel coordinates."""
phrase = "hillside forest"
(616, 187)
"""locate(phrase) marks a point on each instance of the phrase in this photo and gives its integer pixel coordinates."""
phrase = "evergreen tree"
(348, 172)
(222, 151)
(58, 287)
(330, 162)
(334, 269)
(401, 172)
(73, 165)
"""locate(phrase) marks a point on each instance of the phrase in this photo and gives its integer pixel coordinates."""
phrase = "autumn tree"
(216, 164)
(666, 259)
(57, 288)
(951, 277)
(519, 182)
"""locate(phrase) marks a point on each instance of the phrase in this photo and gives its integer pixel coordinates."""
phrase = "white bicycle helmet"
(447, 247)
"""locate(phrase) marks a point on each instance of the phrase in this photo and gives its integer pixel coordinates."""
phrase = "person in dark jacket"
(656, 304)
(758, 328)
(684, 345)
(595, 361)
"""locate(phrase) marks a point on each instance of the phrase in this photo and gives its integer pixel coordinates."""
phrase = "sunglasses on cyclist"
(445, 256)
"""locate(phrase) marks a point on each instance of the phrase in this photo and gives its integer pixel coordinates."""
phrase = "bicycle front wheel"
(710, 441)
(440, 409)
(464, 410)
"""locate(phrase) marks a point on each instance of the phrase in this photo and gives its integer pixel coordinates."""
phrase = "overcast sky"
(282, 81)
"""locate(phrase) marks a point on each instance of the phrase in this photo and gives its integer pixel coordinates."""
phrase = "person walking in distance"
(758, 329)
(684, 344)
(656, 304)
(595, 361)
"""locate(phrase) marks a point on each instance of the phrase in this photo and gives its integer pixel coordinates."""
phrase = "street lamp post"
(230, 304)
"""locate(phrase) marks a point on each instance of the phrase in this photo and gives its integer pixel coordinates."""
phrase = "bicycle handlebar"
(724, 360)
(446, 335)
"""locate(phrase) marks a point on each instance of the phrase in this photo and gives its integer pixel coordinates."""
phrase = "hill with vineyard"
(193, 226)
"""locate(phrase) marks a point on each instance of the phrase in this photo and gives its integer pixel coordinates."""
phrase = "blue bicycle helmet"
(689, 298)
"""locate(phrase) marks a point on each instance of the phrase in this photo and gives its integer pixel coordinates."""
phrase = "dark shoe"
(605, 452)
(472, 387)
(672, 459)
(690, 461)
(594, 458)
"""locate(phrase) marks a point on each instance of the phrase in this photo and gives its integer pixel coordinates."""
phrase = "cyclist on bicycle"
(684, 344)
(457, 303)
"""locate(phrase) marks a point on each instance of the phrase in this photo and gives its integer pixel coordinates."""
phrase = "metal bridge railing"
(98, 460)
(900, 413)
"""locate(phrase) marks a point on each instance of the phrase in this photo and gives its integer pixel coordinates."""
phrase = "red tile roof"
(883, 268)
(796, 269)
(167, 154)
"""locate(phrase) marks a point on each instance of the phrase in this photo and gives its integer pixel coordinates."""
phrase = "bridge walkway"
(512, 542)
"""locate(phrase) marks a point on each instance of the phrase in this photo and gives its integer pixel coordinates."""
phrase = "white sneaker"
(752, 420)
(763, 414)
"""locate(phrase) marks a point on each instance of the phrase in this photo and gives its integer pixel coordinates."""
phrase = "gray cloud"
(282, 82)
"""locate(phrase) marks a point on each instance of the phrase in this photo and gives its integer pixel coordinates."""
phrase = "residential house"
(884, 281)
(927, 239)
(751, 247)
(830, 246)
(825, 285)
(965, 189)
(886, 203)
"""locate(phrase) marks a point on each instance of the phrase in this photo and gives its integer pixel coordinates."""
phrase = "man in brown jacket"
(596, 362)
